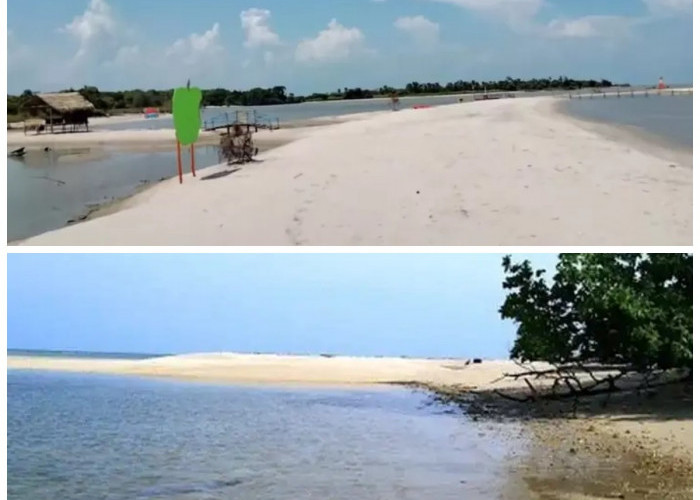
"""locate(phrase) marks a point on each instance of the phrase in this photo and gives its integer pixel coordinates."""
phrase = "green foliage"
(136, 100)
(611, 308)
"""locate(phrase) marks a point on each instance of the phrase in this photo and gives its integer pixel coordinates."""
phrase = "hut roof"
(64, 102)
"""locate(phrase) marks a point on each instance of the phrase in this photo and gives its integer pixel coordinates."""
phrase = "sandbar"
(502, 172)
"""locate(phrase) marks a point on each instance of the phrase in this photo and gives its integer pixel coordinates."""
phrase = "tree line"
(137, 99)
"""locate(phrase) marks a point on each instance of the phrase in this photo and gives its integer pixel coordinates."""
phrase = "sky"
(322, 45)
(354, 304)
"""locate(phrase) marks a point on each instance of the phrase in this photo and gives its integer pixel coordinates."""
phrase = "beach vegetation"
(612, 309)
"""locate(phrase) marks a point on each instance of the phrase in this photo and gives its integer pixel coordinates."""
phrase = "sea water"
(41, 353)
(84, 437)
(287, 113)
(48, 189)
(670, 118)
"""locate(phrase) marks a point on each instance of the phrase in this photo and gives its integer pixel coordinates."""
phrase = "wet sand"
(512, 171)
(625, 445)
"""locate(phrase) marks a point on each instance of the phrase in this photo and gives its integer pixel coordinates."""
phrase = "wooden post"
(51, 118)
(179, 161)
(192, 160)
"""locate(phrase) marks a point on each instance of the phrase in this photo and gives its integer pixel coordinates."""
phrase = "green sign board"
(186, 102)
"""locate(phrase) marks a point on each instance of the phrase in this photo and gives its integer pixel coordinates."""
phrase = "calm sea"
(80, 437)
(48, 189)
(668, 117)
(80, 354)
(298, 112)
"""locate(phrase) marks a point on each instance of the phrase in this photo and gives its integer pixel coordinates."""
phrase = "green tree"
(633, 309)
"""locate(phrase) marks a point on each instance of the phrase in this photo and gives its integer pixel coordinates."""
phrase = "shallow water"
(668, 117)
(294, 112)
(38, 353)
(87, 437)
(47, 189)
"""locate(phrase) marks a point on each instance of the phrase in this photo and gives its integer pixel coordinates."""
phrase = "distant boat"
(150, 113)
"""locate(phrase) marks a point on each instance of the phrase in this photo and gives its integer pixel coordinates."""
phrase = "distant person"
(662, 84)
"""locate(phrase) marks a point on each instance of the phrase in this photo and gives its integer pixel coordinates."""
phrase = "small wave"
(184, 489)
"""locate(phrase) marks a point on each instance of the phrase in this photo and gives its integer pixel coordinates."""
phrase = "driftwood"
(578, 380)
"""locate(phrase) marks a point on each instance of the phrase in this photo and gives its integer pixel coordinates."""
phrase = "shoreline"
(616, 451)
(131, 141)
(510, 171)
(635, 137)
(275, 369)
(135, 140)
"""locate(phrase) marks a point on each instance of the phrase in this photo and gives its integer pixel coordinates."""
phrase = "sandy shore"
(277, 369)
(505, 172)
(135, 140)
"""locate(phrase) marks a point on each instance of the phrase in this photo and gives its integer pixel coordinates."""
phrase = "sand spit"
(505, 172)
(278, 369)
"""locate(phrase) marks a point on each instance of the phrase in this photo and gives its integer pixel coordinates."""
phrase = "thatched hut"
(64, 111)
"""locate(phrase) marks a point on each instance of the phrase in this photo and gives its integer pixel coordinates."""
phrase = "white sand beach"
(280, 369)
(502, 172)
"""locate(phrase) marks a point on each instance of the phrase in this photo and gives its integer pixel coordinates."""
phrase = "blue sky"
(356, 304)
(327, 44)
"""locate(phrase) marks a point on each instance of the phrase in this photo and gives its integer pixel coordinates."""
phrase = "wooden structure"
(61, 112)
(236, 145)
(247, 119)
(638, 92)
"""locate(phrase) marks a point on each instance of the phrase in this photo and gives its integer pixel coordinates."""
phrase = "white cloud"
(256, 25)
(332, 44)
(669, 7)
(590, 27)
(92, 27)
(514, 12)
(197, 48)
(423, 30)
(129, 55)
